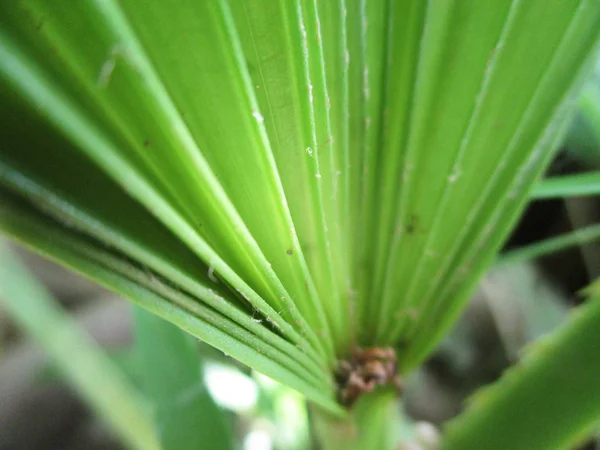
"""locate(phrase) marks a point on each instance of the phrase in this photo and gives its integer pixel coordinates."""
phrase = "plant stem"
(370, 424)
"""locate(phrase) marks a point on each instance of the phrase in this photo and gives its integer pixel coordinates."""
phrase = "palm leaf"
(285, 180)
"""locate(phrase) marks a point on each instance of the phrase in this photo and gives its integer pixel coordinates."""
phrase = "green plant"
(286, 180)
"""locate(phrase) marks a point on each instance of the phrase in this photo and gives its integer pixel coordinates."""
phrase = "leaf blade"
(578, 185)
(550, 401)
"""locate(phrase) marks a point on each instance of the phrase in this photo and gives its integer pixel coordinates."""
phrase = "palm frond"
(285, 180)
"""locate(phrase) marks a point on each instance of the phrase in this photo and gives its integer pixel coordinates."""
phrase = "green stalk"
(171, 378)
(370, 424)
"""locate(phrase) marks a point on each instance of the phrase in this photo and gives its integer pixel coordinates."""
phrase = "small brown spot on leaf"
(411, 226)
(147, 143)
(289, 252)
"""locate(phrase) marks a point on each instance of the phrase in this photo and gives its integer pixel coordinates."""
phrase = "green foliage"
(185, 415)
(285, 179)
(78, 359)
(551, 400)
(274, 357)
(568, 186)
(551, 245)
(583, 139)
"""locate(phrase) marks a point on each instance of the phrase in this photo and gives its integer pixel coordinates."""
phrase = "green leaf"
(79, 360)
(289, 85)
(148, 290)
(567, 186)
(457, 207)
(185, 414)
(583, 139)
(97, 211)
(122, 358)
(550, 400)
(593, 289)
(552, 245)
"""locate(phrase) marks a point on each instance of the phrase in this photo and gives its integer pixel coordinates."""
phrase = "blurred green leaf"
(171, 376)
(124, 359)
(567, 186)
(80, 361)
(550, 400)
(582, 142)
(593, 289)
(287, 411)
(552, 245)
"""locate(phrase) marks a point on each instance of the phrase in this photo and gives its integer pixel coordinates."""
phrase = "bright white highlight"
(258, 440)
(230, 388)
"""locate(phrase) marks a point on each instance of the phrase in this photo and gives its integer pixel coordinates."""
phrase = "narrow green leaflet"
(567, 186)
(575, 238)
(275, 43)
(551, 400)
(79, 360)
(185, 414)
(403, 55)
